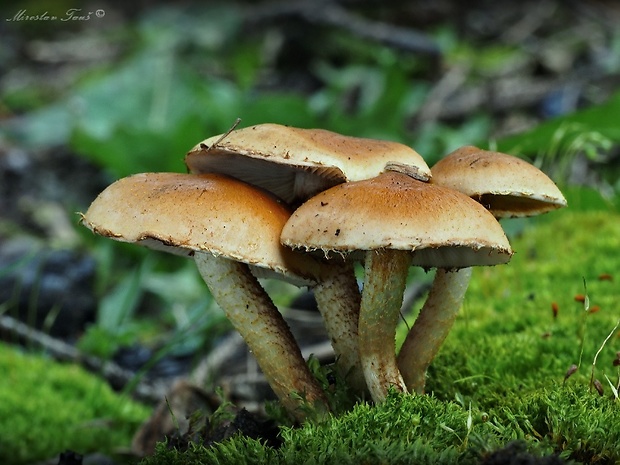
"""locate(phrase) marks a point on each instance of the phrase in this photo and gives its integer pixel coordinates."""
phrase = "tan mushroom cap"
(508, 186)
(185, 213)
(326, 157)
(443, 227)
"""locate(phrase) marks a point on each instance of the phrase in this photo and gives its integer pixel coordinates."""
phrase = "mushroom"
(508, 187)
(295, 164)
(391, 222)
(229, 228)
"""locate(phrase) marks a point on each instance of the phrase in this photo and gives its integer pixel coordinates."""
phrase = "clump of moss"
(501, 375)
(49, 407)
(525, 323)
(403, 430)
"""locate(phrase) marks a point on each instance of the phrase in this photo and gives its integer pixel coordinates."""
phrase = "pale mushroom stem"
(384, 286)
(338, 299)
(432, 326)
(254, 315)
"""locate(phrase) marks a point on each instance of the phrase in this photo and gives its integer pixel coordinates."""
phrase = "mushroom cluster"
(305, 205)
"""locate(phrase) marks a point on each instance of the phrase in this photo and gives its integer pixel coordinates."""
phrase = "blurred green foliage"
(187, 73)
(190, 72)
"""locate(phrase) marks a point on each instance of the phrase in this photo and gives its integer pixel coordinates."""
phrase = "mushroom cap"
(185, 213)
(508, 186)
(440, 226)
(280, 158)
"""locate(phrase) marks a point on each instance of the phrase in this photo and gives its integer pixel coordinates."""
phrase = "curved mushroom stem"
(253, 314)
(338, 299)
(384, 285)
(432, 326)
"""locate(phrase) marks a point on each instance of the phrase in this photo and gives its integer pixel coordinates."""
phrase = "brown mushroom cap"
(228, 227)
(393, 221)
(273, 156)
(508, 186)
(442, 227)
(185, 213)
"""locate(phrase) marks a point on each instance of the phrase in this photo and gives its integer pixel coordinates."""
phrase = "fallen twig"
(117, 376)
(328, 13)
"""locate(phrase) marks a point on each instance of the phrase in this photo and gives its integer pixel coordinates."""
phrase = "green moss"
(49, 407)
(403, 429)
(508, 355)
(499, 376)
(507, 329)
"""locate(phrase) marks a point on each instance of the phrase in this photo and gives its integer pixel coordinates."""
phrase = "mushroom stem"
(253, 314)
(432, 326)
(338, 299)
(384, 285)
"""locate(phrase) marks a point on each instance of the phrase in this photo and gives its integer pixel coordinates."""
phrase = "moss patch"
(47, 408)
(499, 376)
(507, 335)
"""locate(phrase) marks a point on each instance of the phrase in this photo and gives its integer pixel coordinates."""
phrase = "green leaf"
(118, 306)
(132, 150)
(601, 119)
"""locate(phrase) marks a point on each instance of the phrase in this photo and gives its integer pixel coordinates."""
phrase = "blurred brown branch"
(13, 330)
(328, 13)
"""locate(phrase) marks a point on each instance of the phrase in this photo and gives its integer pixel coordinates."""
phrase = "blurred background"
(94, 91)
